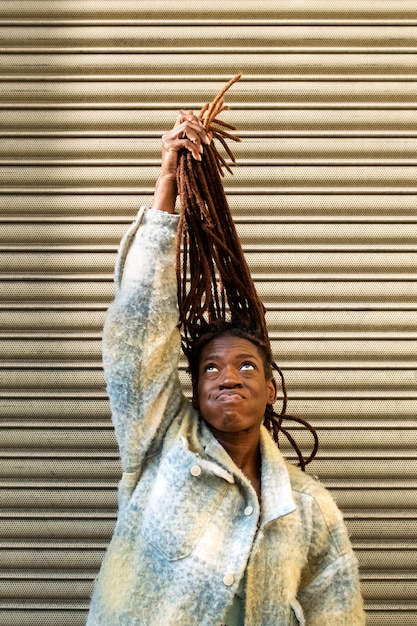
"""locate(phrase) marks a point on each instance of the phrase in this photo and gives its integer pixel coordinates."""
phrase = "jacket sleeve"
(330, 590)
(141, 342)
(333, 597)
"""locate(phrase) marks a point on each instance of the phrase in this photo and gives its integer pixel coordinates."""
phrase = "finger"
(206, 135)
(181, 118)
(191, 130)
(195, 120)
(194, 147)
(175, 145)
(184, 117)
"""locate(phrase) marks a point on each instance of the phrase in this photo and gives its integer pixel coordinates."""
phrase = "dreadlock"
(216, 293)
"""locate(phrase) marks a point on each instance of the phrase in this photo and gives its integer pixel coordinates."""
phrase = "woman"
(214, 527)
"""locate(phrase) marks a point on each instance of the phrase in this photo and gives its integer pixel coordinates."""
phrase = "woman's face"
(232, 389)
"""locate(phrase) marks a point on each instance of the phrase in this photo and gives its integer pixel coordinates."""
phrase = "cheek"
(201, 394)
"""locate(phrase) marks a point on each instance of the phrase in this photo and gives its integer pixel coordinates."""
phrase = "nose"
(229, 378)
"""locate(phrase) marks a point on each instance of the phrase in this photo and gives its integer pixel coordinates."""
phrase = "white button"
(248, 510)
(195, 470)
(228, 580)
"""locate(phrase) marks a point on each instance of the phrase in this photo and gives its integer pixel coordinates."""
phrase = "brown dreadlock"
(221, 296)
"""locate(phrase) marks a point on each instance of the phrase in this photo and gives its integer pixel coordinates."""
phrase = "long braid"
(214, 281)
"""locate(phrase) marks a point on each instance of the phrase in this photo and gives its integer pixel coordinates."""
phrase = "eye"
(210, 367)
(248, 365)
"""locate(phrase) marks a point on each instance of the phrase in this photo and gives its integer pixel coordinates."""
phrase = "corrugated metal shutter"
(324, 199)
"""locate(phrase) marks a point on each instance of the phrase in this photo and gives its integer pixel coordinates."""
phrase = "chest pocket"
(182, 502)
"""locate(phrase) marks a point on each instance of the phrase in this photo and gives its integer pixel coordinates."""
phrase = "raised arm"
(141, 343)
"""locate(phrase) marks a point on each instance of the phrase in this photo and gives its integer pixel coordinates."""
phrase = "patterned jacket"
(190, 524)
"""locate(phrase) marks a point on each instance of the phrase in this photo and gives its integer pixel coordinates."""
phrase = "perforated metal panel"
(324, 198)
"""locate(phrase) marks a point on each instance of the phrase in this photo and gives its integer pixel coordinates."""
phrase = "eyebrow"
(243, 355)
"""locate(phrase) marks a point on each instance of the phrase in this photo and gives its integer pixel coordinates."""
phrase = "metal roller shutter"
(324, 199)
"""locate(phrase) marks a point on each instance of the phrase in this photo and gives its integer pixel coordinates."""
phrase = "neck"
(243, 449)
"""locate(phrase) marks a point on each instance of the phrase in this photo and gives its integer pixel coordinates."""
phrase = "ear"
(271, 391)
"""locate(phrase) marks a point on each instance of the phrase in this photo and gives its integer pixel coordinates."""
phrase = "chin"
(231, 423)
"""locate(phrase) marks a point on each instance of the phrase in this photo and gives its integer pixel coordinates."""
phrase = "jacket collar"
(277, 499)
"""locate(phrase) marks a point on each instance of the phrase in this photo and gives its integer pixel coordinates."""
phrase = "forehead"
(230, 347)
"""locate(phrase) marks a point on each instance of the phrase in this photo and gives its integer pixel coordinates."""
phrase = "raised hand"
(189, 133)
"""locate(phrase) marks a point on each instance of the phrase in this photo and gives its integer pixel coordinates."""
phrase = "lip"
(229, 396)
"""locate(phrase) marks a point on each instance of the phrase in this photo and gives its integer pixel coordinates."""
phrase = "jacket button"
(228, 580)
(249, 510)
(195, 470)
